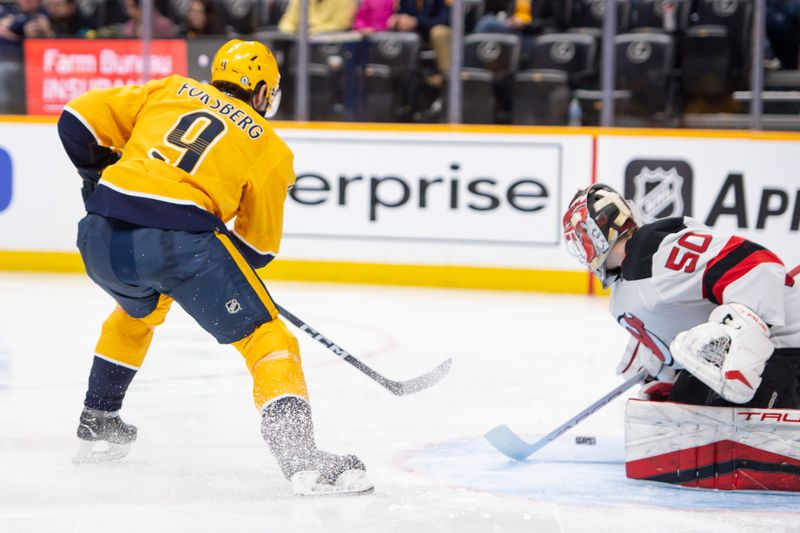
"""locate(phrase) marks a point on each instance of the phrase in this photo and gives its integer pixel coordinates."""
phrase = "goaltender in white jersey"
(715, 321)
(719, 306)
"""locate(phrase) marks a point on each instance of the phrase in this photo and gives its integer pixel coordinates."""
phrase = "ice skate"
(327, 474)
(289, 432)
(105, 437)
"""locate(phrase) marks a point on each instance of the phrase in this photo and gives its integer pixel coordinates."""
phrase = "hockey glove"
(99, 158)
(728, 353)
(637, 356)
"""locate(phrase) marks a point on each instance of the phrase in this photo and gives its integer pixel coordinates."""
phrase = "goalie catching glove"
(728, 353)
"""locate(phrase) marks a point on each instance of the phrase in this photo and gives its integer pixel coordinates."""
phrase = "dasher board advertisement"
(750, 187)
(466, 189)
(58, 70)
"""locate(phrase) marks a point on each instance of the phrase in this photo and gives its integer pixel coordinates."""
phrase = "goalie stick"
(400, 388)
(510, 444)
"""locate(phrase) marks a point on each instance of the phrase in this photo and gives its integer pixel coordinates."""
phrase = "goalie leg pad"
(725, 448)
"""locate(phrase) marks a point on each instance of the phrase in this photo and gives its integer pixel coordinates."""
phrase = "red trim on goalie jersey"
(723, 465)
(737, 258)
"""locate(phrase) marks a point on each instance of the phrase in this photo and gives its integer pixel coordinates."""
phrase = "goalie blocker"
(725, 448)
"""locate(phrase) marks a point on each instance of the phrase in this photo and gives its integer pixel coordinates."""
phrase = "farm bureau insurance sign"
(58, 70)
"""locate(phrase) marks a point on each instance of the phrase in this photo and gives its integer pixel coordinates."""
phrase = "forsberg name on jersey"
(242, 120)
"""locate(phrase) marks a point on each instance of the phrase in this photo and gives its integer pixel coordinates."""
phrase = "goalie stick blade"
(509, 443)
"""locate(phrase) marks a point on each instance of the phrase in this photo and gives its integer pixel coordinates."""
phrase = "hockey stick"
(511, 445)
(400, 388)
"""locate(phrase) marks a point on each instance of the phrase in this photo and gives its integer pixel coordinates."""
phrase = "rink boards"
(466, 206)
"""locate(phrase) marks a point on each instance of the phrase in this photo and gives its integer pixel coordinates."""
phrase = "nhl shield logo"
(659, 189)
(233, 306)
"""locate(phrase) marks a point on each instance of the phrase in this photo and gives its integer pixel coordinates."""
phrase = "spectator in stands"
(373, 15)
(65, 21)
(505, 16)
(163, 27)
(14, 18)
(201, 19)
(783, 31)
(431, 19)
(323, 16)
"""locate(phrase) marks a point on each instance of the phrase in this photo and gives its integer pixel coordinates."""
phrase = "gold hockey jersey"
(192, 159)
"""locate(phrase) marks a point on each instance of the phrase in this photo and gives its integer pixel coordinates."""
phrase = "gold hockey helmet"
(247, 64)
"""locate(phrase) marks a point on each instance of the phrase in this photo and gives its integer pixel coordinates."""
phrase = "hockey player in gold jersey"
(165, 166)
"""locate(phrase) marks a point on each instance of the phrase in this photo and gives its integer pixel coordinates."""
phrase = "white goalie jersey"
(676, 271)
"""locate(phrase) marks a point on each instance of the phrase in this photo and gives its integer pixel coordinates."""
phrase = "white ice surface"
(530, 361)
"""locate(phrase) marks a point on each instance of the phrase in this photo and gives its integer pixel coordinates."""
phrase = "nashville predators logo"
(562, 52)
(489, 51)
(390, 49)
(639, 52)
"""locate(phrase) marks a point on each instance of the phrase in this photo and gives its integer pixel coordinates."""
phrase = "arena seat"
(573, 53)
(540, 97)
(736, 17)
(239, 17)
(332, 72)
(389, 69)
(557, 62)
(645, 63)
(101, 13)
(490, 59)
(705, 62)
(479, 105)
(650, 14)
(589, 13)
(496, 52)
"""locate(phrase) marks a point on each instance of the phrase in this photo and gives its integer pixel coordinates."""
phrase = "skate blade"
(100, 452)
(350, 483)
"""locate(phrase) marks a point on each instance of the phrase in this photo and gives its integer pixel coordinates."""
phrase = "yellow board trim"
(59, 262)
(460, 277)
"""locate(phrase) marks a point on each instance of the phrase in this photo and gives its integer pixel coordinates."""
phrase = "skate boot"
(105, 436)
(288, 430)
